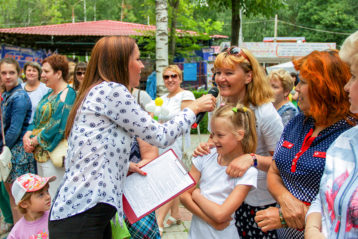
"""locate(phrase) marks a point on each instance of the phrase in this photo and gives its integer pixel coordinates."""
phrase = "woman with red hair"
(297, 167)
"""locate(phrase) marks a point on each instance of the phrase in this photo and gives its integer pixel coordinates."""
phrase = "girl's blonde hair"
(258, 91)
(241, 117)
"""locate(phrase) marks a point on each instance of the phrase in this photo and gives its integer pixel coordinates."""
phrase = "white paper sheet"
(165, 178)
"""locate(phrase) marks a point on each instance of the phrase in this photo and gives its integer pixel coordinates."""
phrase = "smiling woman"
(175, 101)
(241, 79)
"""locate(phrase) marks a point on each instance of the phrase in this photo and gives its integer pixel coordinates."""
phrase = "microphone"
(214, 92)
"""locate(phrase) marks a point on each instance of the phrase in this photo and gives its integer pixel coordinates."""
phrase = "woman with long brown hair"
(100, 129)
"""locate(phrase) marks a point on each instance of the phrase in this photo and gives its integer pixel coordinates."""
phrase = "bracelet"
(254, 158)
(282, 220)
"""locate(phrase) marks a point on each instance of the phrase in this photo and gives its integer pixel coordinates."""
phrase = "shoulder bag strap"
(138, 98)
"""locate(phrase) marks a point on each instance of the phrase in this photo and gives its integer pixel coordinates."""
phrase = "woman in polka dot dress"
(299, 160)
(334, 212)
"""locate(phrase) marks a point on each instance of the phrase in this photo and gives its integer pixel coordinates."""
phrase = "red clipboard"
(128, 210)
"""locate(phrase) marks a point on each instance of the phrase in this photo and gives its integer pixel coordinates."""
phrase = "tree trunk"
(235, 22)
(161, 38)
(173, 25)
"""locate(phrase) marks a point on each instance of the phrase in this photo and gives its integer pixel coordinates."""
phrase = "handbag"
(58, 155)
(5, 156)
(118, 231)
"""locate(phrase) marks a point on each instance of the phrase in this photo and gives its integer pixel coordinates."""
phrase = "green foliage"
(316, 14)
(249, 8)
(18, 13)
(207, 17)
(204, 123)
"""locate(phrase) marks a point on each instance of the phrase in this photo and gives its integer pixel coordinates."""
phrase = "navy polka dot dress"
(300, 159)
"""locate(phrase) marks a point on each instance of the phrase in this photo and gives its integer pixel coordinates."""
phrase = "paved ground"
(181, 231)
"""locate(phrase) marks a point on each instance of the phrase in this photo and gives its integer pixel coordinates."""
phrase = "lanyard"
(305, 145)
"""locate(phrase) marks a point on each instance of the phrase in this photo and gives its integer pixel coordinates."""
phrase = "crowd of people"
(271, 168)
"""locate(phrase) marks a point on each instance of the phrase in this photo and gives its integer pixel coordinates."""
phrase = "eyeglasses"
(173, 76)
(79, 73)
(237, 51)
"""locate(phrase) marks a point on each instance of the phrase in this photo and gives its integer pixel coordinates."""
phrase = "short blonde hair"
(259, 90)
(175, 69)
(284, 77)
(349, 51)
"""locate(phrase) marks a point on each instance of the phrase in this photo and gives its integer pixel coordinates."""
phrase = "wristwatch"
(254, 158)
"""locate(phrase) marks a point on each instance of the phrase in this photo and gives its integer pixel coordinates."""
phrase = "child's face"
(40, 201)
(225, 137)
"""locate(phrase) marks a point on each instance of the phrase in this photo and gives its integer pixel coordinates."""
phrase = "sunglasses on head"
(237, 51)
(173, 76)
(79, 73)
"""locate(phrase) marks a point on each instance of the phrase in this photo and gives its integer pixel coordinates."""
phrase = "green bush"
(204, 123)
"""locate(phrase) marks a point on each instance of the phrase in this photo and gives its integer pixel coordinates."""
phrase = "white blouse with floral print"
(99, 146)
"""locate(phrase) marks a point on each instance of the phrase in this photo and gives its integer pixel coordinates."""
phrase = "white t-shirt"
(173, 104)
(36, 96)
(216, 186)
(269, 128)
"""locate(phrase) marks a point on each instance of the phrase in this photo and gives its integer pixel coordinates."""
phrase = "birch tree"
(161, 38)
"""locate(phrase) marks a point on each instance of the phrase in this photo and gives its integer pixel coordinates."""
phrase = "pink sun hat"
(28, 183)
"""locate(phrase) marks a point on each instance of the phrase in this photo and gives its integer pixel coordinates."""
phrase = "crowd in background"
(273, 137)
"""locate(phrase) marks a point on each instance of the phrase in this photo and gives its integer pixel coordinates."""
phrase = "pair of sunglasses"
(237, 51)
(173, 76)
(79, 73)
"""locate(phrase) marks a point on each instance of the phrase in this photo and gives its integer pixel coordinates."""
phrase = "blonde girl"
(219, 195)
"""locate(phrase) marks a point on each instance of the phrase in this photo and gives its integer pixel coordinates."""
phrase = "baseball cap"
(28, 183)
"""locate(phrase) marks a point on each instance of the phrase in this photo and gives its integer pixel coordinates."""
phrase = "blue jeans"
(91, 224)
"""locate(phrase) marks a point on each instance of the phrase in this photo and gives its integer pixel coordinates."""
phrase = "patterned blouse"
(287, 112)
(301, 158)
(337, 200)
(99, 146)
(50, 119)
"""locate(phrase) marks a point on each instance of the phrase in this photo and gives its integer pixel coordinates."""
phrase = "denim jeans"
(95, 223)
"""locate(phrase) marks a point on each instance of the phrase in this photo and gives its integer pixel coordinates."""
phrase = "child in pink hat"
(33, 200)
